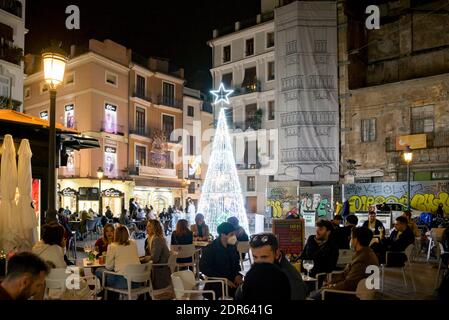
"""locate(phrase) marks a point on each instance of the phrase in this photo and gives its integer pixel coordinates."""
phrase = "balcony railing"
(10, 104)
(169, 101)
(10, 53)
(113, 128)
(245, 125)
(12, 6)
(307, 155)
(140, 131)
(250, 88)
(247, 166)
(141, 95)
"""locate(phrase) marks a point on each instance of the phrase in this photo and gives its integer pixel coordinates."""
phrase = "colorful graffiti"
(281, 200)
(318, 199)
(425, 196)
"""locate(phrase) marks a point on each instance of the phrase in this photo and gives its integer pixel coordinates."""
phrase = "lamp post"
(54, 61)
(100, 174)
(408, 157)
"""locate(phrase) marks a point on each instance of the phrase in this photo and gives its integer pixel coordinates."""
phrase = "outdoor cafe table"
(95, 264)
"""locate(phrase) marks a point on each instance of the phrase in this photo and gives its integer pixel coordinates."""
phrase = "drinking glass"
(308, 265)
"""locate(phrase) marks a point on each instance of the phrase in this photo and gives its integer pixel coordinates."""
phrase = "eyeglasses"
(262, 237)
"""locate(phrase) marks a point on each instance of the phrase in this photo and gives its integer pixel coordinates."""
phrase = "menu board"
(290, 234)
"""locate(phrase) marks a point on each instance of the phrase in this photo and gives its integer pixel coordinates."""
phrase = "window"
(251, 184)
(249, 47)
(190, 111)
(111, 78)
(140, 87)
(27, 93)
(271, 110)
(70, 78)
(191, 187)
(141, 154)
(251, 204)
(270, 71)
(320, 46)
(4, 86)
(440, 175)
(43, 87)
(422, 119)
(191, 145)
(250, 112)
(369, 130)
(43, 115)
(226, 53)
(270, 39)
(168, 93)
(229, 117)
(168, 125)
(140, 121)
(271, 149)
(250, 79)
(270, 178)
(226, 79)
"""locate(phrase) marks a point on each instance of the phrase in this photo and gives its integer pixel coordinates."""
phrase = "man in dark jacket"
(342, 236)
(265, 249)
(323, 252)
(372, 223)
(400, 238)
(221, 259)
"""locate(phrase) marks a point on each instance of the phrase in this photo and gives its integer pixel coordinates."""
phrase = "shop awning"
(159, 183)
(78, 142)
(26, 119)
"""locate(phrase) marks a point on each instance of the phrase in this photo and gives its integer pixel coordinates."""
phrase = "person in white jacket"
(120, 253)
(50, 248)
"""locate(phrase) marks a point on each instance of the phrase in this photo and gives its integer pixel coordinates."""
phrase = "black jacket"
(182, 240)
(341, 237)
(297, 286)
(324, 257)
(405, 239)
(378, 225)
(218, 261)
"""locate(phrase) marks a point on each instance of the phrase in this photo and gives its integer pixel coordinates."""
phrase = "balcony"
(144, 171)
(141, 95)
(308, 118)
(169, 101)
(10, 53)
(249, 88)
(247, 166)
(248, 124)
(10, 104)
(68, 172)
(308, 155)
(12, 6)
(114, 128)
(140, 131)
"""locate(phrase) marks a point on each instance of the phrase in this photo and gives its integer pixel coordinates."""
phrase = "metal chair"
(184, 251)
(56, 285)
(243, 248)
(138, 273)
(440, 264)
(407, 265)
(361, 293)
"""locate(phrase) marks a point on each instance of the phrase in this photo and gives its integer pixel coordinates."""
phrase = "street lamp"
(54, 61)
(408, 157)
(100, 174)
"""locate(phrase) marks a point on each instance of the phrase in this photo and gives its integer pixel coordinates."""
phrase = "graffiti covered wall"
(282, 199)
(425, 195)
(318, 199)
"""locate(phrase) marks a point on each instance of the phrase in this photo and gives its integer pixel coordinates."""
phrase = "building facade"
(12, 44)
(394, 85)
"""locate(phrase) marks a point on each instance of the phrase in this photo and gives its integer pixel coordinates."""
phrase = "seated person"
(265, 249)
(412, 224)
(107, 238)
(221, 259)
(120, 253)
(356, 270)
(141, 214)
(372, 223)
(264, 281)
(50, 248)
(157, 251)
(239, 231)
(337, 221)
(318, 248)
(109, 213)
(341, 237)
(200, 229)
(182, 236)
(400, 238)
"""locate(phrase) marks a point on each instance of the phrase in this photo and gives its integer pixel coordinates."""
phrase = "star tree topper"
(221, 95)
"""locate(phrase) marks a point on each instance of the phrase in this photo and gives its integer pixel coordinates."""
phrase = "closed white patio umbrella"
(8, 184)
(26, 216)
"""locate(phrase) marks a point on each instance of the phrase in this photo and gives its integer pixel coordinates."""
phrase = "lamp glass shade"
(54, 68)
(100, 173)
(408, 156)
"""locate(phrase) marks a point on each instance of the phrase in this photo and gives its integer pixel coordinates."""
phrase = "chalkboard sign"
(290, 234)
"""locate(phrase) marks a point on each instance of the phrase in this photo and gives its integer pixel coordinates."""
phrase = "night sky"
(177, 30)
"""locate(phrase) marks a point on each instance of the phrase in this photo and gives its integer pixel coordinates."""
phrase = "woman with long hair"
(200, 229)
(107, 238)
(182, 236)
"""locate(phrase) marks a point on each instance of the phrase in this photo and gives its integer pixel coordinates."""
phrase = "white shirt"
(53, 253)
(119, 256)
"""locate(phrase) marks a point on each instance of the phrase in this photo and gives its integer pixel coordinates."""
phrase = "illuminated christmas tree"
(221, 195)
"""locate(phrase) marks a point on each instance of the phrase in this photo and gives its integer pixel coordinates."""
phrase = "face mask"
(232, 240)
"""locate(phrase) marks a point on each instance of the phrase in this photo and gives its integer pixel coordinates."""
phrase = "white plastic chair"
(184, 251)
(362, 292)
(56, 285)
(140, 273)
(243, 248)
(171, 264)
(187, 287)
(407, 265)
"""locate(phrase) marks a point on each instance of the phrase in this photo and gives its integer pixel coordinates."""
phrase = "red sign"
(290, 234)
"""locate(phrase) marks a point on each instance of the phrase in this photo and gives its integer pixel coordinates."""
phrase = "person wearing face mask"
(25, 277)
(265, 249)
(356, 270)
(221, 259)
